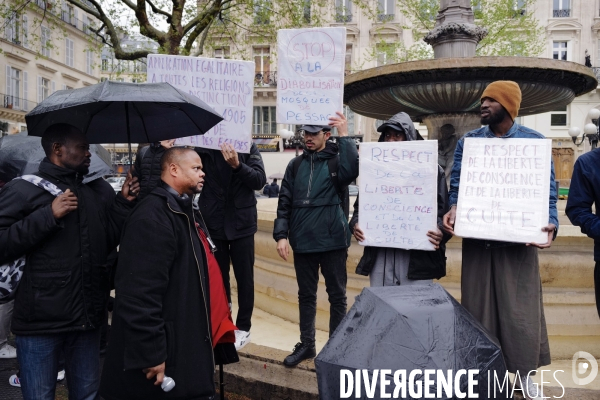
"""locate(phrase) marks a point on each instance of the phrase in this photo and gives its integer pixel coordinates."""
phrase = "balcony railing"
(65, 15)
(343, 18)
(596, 72)
(16, 103)
(566, 13)
(385, 17)
(266, 79)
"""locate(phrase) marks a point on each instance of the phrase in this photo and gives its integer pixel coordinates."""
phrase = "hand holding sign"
(398, 199)
(310, 83)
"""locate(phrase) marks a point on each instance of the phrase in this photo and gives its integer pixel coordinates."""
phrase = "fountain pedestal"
(447, 129)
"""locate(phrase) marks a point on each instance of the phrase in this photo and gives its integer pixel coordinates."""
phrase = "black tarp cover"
(406, 328)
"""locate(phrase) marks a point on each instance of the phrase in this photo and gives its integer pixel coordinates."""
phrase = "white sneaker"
(7, 351)
(242, 338)
(14, 381)
(531, 390)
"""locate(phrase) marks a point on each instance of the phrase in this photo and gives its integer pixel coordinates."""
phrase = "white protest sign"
(504, 189)
(225, 85)
(310, 80)
(398, 193)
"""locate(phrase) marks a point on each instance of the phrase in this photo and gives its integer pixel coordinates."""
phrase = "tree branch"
(200, 50)
(146, 27)
(159, 11)
(214, 10)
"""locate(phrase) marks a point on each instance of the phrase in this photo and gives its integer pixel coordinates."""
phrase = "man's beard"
(493, 119)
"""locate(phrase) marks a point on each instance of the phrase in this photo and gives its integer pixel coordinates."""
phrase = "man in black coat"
(272, 190)
(228, 205)
(60, 301)
(161, 323)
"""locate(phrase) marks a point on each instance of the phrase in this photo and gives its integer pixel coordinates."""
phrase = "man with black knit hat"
(501, 283)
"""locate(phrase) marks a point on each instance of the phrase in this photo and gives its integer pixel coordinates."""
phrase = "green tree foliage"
(191, 27)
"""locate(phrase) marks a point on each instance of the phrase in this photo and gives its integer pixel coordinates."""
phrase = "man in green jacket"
(310, 214)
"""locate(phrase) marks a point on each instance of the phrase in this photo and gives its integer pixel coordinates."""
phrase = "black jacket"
(271, 190)
(147, 168)
(65, 282)
(228, 202)
(161, 307)
(309, 209)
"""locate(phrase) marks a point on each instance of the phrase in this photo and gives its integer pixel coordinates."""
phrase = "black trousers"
(597, 286)
(333, 268)
(240, 254)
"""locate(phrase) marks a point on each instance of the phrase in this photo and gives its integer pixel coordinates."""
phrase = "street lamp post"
(591, 130)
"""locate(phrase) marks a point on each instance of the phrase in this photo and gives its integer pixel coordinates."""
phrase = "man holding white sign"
(501, 283)
(401, 208)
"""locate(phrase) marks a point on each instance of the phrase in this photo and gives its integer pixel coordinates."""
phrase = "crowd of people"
(172, 310)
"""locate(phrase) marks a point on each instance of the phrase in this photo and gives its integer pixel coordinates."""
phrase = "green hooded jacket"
(309, 213)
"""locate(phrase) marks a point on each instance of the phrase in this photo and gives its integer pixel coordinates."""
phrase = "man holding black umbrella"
(60, 302)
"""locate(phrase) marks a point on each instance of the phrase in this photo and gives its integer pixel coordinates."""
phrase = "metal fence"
(16, 103)
(566, 13)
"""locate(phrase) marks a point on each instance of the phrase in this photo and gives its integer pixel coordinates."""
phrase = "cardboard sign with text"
(310, 80)
(504, 189)
(398, 193)
(225, 85)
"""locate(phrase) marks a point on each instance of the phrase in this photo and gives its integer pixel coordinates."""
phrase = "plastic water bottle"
(167, 384)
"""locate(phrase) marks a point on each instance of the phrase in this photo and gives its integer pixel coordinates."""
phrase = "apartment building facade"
(46, 47)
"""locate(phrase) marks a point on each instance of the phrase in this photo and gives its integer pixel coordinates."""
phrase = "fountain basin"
(454, 85)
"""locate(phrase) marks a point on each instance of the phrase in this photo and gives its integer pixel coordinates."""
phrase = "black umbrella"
(21, 154)
(119, 112)
(407, 328)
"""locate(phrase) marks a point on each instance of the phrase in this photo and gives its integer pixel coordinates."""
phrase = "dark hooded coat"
(422, 264)
(65, 281)
(162, 305)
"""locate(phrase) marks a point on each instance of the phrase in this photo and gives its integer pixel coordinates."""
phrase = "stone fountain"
(444, 93)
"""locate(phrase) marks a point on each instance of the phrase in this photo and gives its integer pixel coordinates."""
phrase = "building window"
(558, 117)
(343, 11)
(348, 60)
(16, 29)
(385, 55)
(89, 62)
(306, 12)
(69, 52)
(350, 118)
(222, 53)
(560, 51)
(519, 8)
(262, 10)
(264, 121)
(86, 24)
(385, 10)
(45, 40)
(68, 14)
(561, 9)
(13, 88)
(43, 89)
(104, 64)
(262, 62)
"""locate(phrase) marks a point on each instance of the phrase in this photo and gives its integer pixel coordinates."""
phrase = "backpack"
(343, 192)
(12, 271)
